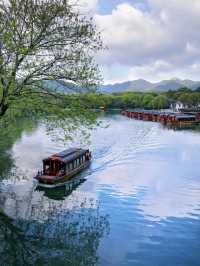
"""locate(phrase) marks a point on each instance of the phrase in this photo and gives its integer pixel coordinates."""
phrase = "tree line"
(47, 40)
(149, 100)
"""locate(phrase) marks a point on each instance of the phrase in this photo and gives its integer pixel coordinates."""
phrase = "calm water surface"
(138, 204)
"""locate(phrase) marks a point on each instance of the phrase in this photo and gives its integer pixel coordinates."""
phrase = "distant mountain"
(143, 85)
(61, 86)
(65, 86)
(166, 85)
(135, 85)
(139, 84)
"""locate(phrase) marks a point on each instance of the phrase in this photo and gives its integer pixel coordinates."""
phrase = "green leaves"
(160, 102)
(46, 40)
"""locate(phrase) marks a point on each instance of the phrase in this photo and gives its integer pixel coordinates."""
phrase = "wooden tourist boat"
(60, 168)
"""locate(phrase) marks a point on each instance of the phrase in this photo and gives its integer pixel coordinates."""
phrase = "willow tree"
(40, 41)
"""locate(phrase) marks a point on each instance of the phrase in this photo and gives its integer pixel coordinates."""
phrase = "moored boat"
(61, 168)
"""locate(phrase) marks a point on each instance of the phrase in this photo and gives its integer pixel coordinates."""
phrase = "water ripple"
(147, 180)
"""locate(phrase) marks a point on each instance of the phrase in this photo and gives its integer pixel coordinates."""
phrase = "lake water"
(139, 202)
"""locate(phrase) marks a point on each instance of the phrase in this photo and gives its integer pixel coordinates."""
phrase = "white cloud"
(158, 69)
(89, 5)
(163, 70)
(129, 32)
(155, 71)
(155, 43)
(85, 6)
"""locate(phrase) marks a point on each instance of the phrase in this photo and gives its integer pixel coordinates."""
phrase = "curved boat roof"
(67, 155)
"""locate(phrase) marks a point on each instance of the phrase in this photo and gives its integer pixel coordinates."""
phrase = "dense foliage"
(45, 40)
(148, 100)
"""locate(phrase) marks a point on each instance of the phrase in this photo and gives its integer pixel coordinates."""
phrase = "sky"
(148, 39)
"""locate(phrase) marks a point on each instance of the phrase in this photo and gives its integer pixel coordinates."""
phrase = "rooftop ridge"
(66, 152)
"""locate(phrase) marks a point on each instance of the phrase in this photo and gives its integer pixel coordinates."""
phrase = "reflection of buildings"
(35, 230)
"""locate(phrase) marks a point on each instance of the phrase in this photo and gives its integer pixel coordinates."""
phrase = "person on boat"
(88, 156)
(61, 172)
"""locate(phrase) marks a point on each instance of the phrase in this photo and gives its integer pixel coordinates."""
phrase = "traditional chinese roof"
(67, 155)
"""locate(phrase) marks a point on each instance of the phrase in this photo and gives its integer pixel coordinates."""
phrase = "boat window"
(62, 169)
(67, 167)
(46, 169)
(71, 166)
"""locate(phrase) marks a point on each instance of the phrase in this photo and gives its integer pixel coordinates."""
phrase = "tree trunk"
(3, 109)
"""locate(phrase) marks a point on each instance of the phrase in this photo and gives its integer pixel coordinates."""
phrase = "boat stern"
(45, 179)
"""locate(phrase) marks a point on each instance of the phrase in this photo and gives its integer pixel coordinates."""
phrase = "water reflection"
(8, 136)
(37, 231)
(146, 179)
(60, 193)
(162, 164)
(43, 227)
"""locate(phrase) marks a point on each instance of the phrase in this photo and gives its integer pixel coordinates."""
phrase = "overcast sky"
(150, 39)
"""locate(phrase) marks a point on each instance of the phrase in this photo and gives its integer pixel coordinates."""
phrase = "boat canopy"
(67, 156)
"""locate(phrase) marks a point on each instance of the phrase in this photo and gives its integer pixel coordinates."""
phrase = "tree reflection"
(51, 232)
(9, 133)
(40, 227)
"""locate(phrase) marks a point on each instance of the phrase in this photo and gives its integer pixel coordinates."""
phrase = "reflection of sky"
(18, 197)
(147, 180)
(22, 201)
(163, 163)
